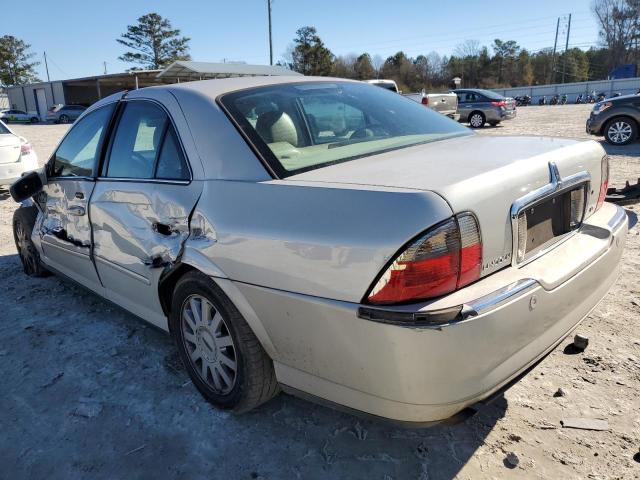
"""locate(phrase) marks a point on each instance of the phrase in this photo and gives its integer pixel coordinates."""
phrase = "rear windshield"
(301, 127)
(491, 95)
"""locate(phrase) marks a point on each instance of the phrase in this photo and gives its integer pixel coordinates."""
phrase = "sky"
(79, 35)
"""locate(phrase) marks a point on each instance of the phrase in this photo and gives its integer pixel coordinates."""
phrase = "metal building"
(40, 97)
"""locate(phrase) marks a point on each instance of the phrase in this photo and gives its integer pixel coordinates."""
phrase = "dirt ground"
(89, 391)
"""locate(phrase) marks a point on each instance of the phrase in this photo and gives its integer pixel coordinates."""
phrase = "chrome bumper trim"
(412, 316)
(619, 218)
(494, 299)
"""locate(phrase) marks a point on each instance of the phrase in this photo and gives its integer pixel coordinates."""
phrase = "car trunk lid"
(484, 175)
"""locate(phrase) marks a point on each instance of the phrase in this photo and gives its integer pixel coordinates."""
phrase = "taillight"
(501, 103)
(604, 181)
(25, 149)
(425, 100)
(447, 257)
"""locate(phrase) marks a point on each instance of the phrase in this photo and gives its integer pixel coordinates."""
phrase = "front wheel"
(476, 120)
(35, 119)
(223, 357)
(24, 219)
(63, 119)
(620, 131)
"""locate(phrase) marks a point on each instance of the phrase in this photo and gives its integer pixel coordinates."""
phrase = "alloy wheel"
(476, 120)
(209, 344)
(619, 132)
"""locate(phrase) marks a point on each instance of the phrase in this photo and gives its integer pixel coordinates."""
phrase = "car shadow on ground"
(4, 192)
(75, 367)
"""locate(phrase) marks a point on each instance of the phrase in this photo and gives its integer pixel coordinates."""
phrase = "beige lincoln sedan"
(328, 238)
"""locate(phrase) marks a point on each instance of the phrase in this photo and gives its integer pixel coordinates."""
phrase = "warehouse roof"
(206, 70)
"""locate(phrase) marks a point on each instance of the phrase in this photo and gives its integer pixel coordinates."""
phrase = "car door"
(65, 226)
(464, 104)
(141, 206)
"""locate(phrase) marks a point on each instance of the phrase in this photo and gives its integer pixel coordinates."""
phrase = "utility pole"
(104, 64)
(46, 66)
(553, 61)
(566, 47)
(270, 40)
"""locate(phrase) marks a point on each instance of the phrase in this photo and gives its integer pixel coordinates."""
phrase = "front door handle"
(76, 210)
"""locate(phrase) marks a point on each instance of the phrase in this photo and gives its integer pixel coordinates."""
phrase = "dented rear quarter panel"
(323, 240)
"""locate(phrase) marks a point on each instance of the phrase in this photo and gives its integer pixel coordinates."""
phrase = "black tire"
(35, 119)
(255, 380)
(477, 119)
(24, 218)
(620, 124)
(63, 119)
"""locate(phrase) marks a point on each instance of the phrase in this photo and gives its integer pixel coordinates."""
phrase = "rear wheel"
(476, 120)
(35, 119)
(620, 131)
(63, 119)
(24, 219)
(223, 357)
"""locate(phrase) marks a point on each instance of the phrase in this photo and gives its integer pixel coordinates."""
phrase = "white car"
(16, 156)
(18, 116)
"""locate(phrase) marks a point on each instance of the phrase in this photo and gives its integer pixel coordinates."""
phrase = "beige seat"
(277, 126)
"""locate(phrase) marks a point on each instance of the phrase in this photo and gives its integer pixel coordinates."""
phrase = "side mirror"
(26, 187)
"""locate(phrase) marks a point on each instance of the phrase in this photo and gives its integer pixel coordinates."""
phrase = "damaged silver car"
(328, 238)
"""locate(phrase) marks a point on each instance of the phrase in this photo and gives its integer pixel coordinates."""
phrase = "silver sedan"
(328, 238)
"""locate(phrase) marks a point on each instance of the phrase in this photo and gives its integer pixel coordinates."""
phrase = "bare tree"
(468, 48)
(377, 61)
(619, 26)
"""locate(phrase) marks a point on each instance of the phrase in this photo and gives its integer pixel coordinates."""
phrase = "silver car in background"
(477, 107)
(65, 113)
(328, 238)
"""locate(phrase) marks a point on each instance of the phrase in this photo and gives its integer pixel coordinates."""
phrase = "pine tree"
(15, 67)
(155, 43)
(310, 56)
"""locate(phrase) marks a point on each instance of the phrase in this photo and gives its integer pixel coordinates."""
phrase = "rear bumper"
(421, 375)
(10, 172)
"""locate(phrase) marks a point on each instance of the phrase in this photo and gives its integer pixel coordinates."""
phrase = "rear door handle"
(76, 210)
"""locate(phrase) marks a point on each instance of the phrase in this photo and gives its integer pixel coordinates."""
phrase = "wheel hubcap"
(476, 120)
(208, 342)
(619, 132)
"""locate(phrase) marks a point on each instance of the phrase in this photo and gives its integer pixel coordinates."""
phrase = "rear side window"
(78, 153)
(171, 162)
(145, 145)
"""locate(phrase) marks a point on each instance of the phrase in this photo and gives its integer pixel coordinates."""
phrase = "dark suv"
(616, 118)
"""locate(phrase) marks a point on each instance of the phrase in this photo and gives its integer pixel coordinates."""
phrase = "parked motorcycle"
(616, 94)
(523, 100)
(601, 96)
(542, 100)
(563, 99)
(590, 99)
(555, 100)
(580, 99)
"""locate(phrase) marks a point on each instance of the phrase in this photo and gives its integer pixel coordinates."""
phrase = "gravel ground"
(89, 391)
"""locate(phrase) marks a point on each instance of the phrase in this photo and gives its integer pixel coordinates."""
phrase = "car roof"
(214, 88)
